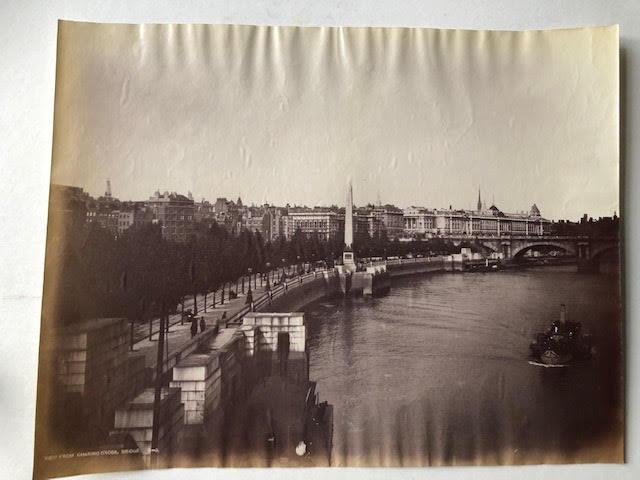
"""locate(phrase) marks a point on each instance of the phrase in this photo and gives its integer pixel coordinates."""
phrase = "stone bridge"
(582, 247)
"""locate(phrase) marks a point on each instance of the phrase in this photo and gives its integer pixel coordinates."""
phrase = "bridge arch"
(490, 246)
(519, 250)
(600, 250)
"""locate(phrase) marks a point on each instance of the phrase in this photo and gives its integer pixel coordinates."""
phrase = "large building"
(273, 223)
(324, 222)
(254, 219)
(391, 218)
(133, 214)
(104, 216)
(423, 222)
(204, 212)
(174, 212)
(365, 222)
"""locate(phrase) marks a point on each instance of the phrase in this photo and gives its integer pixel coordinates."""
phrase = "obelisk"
(348, 220)
(348, 259)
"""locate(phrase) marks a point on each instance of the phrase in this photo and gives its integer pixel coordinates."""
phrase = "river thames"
(435, 372)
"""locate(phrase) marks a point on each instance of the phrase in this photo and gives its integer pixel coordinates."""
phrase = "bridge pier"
(583, 251)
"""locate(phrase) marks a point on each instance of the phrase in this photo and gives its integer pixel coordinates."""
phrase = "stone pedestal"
(270, 324)
(348, 262)
(253, 339)
(93, 363)
(198, 378)
(136, 419)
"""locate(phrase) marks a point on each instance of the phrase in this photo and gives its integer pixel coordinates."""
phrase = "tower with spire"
(479, 201)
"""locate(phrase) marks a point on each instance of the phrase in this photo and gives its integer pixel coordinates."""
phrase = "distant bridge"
(582, 247)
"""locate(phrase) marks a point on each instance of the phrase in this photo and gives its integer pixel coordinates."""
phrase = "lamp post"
(249, 293)
(157, 394)
(268, 265)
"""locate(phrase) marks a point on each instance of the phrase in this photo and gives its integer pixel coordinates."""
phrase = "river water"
(435, 372)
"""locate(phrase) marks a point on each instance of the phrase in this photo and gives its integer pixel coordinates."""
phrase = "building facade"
(423, 222)
(391, 218)
(174, 212)
(325, 223)
(133, 213)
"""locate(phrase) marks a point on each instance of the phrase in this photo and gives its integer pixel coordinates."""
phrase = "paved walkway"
(141, 330)
(179, 335)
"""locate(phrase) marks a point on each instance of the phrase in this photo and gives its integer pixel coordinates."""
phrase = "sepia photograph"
(279, 246)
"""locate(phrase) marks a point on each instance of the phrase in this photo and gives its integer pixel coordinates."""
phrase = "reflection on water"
(436, 371)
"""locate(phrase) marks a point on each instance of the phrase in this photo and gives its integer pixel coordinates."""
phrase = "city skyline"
(245, 121)
(486, 203)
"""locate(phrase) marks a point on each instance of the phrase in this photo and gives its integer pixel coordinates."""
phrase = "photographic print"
(326, 246)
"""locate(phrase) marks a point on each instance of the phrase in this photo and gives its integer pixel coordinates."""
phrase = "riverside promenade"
(179, 342)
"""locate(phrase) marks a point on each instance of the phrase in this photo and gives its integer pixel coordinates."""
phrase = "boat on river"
(562, 345)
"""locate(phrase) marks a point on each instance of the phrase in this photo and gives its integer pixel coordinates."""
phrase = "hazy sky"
(289, 115)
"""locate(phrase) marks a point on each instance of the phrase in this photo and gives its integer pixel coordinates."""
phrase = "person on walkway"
(194, 326)
(203, 325)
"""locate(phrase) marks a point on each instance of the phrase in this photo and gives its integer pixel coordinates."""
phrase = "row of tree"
(139, 274)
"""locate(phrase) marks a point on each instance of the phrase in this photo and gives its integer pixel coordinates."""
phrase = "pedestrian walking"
(203, 325)
(194, 326)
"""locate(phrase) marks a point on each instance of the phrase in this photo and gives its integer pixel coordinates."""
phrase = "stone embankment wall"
(211, 382)
(296, 298)
(415, 266)
(261, 331)
(136, 419)
(199, 378)
(95, 372)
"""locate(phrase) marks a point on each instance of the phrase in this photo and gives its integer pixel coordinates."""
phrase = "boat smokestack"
(563, 314)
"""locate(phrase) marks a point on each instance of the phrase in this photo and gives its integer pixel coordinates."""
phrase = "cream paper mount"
(256, 236)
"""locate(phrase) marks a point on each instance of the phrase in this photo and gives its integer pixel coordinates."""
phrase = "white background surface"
(27, 75)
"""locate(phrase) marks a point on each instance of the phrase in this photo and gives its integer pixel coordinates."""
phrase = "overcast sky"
(289, 115)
